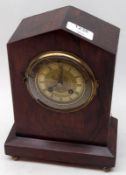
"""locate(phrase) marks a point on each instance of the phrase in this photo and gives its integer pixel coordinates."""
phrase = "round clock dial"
(60, 81)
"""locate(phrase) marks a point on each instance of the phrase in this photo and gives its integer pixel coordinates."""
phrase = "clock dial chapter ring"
(61, 82)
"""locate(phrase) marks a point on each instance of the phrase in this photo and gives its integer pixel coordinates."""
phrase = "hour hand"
(51, 88)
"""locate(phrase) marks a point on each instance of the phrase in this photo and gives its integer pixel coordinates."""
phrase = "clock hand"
(61, 76)
(51, 88)
(60, 79)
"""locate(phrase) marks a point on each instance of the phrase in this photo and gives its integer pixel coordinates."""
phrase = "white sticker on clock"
(80, 30)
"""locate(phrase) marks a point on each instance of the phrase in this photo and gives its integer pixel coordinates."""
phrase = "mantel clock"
(62, 68)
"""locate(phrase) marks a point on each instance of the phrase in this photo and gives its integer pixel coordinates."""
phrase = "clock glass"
(60, 81)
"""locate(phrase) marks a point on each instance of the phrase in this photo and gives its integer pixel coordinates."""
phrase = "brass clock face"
(60, 81)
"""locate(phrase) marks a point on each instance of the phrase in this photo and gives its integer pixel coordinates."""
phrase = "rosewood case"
(86, 137)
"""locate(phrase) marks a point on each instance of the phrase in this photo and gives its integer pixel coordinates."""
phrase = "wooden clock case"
(86, 137)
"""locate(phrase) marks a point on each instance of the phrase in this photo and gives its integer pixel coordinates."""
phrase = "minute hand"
(61, 76)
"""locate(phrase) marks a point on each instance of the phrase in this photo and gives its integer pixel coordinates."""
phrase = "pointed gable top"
(104, 35)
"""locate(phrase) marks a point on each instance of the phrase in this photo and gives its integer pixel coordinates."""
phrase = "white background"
(11, 13)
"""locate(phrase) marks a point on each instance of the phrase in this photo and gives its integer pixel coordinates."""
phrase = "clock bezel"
(72, 59)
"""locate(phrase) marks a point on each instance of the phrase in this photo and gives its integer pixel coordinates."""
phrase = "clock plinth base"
(78, 154)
